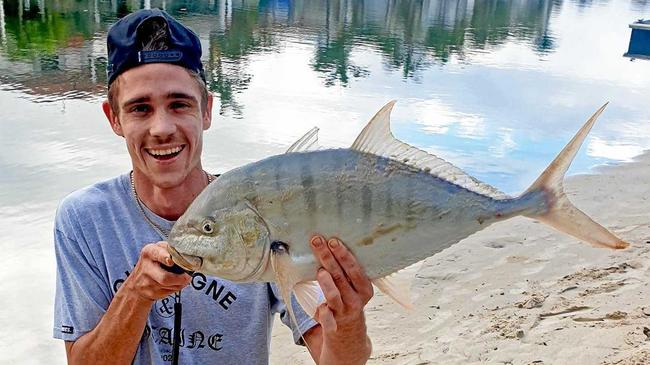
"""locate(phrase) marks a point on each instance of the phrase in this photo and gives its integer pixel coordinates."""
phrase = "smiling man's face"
(161, 118)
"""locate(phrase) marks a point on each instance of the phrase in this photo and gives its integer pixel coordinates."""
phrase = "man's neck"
(170, 203)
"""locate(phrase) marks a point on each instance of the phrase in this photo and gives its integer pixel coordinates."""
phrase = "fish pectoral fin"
(395, 289)
(308, 142)
(377, 139)
(286, 278)
(308, 295)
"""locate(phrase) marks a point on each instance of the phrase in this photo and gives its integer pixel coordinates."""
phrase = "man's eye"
(178, 105)
(141, 108)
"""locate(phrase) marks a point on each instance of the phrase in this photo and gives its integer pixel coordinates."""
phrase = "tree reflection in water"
(55, 49)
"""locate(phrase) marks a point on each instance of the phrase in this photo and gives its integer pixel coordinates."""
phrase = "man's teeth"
(164, 152)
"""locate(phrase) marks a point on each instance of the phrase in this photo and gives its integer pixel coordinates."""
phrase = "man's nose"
(162, 125)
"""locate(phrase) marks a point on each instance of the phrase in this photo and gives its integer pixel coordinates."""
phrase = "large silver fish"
(390, 203)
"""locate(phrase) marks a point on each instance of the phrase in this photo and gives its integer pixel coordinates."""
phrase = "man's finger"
(330, 291)
(165, 278)
(161, 254)
(325, 317)
(166, 257)
(156, 252)
(329, 263)
(162, 244)
(354, 272)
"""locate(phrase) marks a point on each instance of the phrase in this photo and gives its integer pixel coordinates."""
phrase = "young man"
(114, 301)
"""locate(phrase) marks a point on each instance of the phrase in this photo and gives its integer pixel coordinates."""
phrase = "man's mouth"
(165, 153)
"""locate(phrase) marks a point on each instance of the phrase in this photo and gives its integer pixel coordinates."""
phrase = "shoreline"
(519, 292)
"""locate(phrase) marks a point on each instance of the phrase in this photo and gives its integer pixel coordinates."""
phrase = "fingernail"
(317, 241)
(334, 242)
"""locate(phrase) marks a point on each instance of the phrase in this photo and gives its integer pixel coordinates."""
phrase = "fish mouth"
(187, 262)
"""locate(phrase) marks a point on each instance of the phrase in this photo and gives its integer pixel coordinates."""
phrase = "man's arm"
(115, 338)
(341, 337)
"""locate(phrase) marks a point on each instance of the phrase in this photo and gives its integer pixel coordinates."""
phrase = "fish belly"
(388, 214)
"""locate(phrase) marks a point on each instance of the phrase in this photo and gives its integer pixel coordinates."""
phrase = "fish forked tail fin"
(561, 214)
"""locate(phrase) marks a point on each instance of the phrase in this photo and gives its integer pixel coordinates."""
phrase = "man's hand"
(149, 280)
(127, 314)
(347, 290)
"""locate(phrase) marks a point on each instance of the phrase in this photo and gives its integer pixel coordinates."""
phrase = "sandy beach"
(519, 292)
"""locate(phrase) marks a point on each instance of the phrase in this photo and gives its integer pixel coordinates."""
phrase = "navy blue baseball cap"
(123, 53)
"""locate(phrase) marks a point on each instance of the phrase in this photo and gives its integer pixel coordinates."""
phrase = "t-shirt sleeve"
(305, 322)
(82, 295)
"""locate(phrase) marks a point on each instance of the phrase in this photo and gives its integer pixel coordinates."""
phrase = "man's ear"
(112, 118)
(207, 113)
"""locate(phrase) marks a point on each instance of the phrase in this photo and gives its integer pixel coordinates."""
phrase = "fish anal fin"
(307, 294)
(377, 139)
(395, 289)
(308, 142)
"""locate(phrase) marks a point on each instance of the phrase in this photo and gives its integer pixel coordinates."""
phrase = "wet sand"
(519, 292)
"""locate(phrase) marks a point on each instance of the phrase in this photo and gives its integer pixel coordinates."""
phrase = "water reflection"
(640, 5)
(3, 35)
(55, 49)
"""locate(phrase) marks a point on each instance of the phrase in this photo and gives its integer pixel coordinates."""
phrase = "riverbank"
(518, 292)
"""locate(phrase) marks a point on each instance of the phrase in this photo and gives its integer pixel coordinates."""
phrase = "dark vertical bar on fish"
(366, 203)
(309, 194)
(279, 167)
(389, 200)
(410, 215)
(340, 189)
(339, 176)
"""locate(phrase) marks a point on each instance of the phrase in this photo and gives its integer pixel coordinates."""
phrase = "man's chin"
(167, 179)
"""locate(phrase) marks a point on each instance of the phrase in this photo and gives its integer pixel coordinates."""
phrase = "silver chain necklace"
(164, 233)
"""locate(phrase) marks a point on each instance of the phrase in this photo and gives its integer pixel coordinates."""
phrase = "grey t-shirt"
(98, 234)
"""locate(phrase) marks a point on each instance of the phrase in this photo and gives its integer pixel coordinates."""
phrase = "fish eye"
(208, 227)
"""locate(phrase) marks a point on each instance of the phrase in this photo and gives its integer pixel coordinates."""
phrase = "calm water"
(496, 87)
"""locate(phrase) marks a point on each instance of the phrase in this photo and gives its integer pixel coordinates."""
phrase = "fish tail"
(558, 210)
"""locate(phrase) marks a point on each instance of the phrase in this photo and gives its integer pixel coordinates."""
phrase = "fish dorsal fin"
(376, 138)
(395, 290)
(307, 142)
